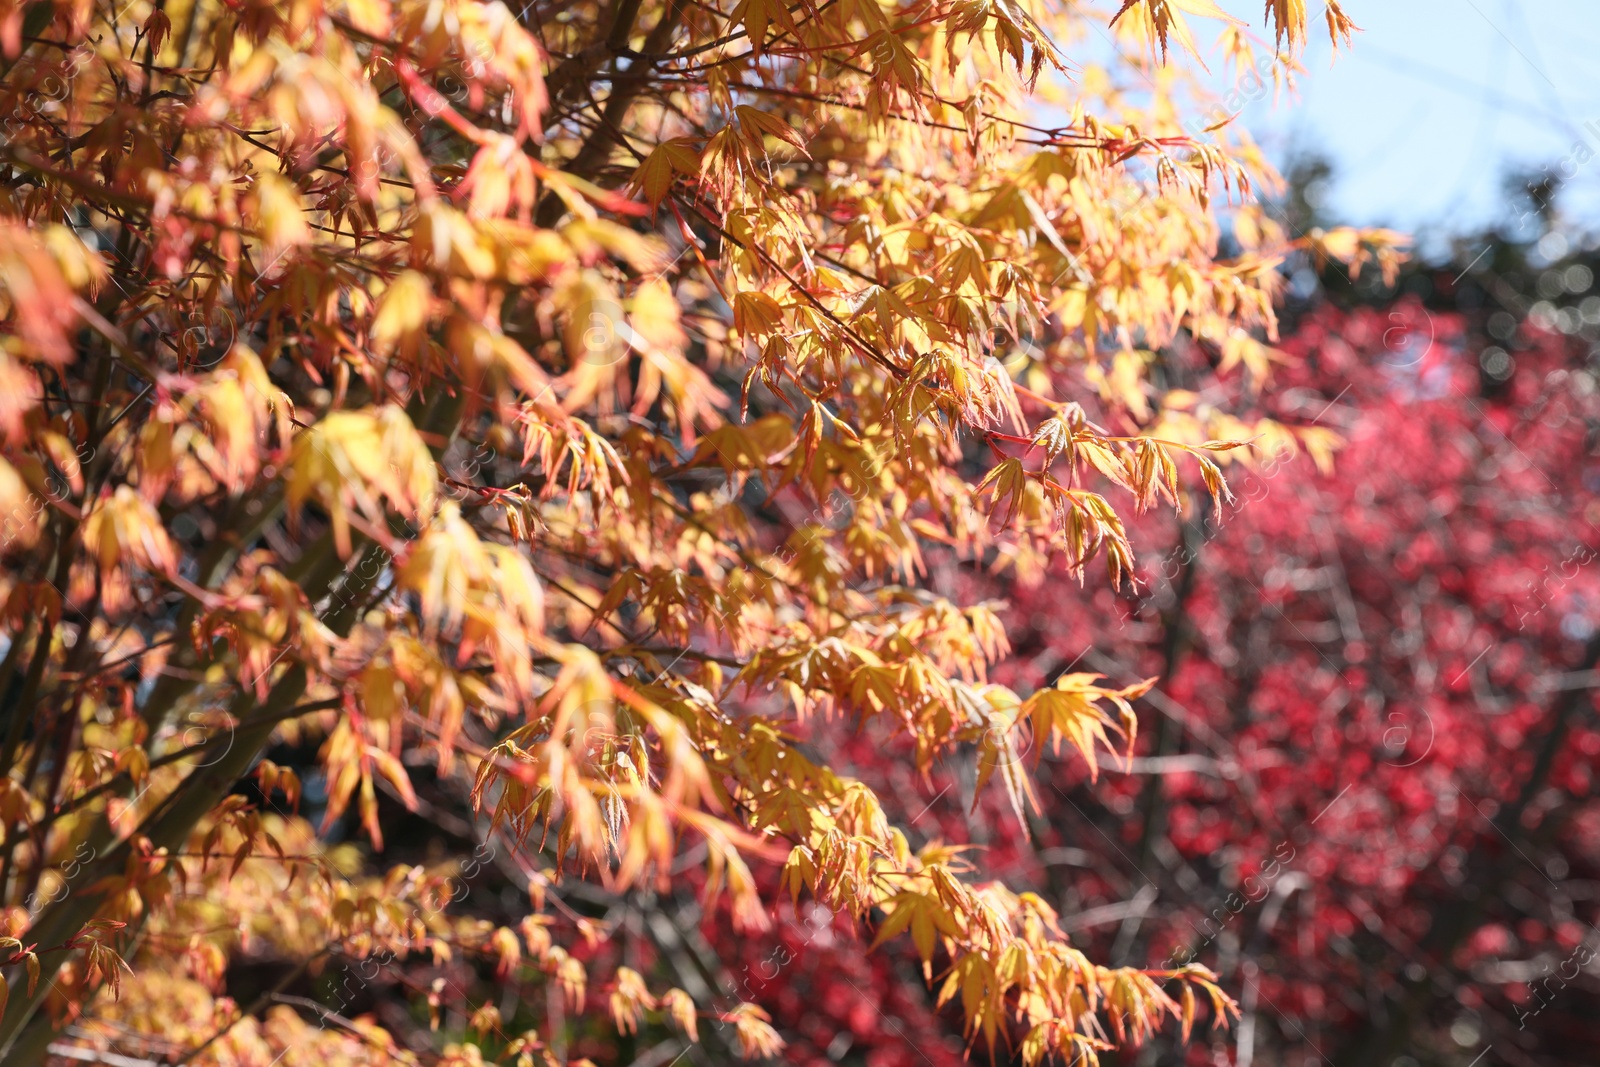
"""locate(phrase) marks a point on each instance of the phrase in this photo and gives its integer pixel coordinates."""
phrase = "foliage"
(553, 429)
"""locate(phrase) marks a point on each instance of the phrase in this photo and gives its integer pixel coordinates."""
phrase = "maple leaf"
(655, 175)
(755, 124)
(1163, 18)
(756, 16)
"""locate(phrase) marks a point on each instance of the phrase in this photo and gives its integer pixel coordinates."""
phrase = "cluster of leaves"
(572, 410)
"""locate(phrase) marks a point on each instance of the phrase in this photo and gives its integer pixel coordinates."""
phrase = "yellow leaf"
(756, 16)
(755, 314)
(403, 311)
(280, 217)
(758, 123)
(654, 176)
(1289, 20)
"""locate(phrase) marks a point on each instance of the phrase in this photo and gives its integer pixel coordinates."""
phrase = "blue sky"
(1437, 102)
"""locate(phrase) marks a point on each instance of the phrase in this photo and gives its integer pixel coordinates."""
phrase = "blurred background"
(1364, 789)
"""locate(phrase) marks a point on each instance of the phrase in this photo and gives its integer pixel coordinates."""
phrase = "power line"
(1551, 94)
(1486, 121)
(1444, 79)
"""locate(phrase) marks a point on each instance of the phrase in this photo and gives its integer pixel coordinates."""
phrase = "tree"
(532, 433)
